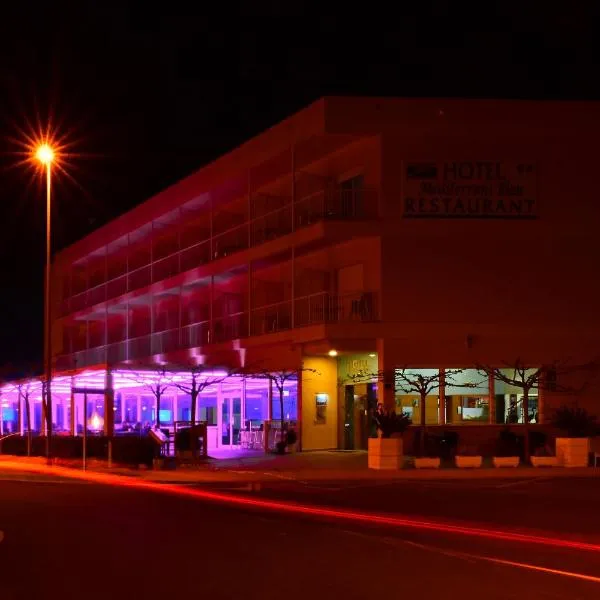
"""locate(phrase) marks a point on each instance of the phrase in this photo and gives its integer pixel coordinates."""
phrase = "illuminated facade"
(400, 233)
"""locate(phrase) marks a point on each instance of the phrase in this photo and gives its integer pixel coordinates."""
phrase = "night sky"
(146, 97)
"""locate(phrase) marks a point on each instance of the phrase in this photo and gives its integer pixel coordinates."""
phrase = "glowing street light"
(45, 155)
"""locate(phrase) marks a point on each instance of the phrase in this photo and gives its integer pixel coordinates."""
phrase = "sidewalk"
(309, 466)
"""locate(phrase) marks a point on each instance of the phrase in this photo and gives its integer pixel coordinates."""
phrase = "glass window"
(147, 411)
(290, 402)
(257, 406)
(184, 407)
(207, 408)
(131, 410)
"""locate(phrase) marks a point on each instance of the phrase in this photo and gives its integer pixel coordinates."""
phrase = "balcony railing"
(322, 205)
(316, 309)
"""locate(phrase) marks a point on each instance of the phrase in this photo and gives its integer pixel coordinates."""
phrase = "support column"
(175, 407)
(269, 415)
(109, 405)
(19, 414)
(386, 394)
(270, 401)
(139, 409)
(492, 399)
(243, 404)
(540, 406)
(299, 410)
(442, 395)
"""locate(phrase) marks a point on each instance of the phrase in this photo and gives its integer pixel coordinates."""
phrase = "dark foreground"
(77, 540)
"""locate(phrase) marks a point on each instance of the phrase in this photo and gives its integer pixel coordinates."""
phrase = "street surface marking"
(507, 563)
(522, 482)
(473, 558)
(511, 563)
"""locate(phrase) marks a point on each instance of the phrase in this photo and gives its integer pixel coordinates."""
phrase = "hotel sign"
(465, 189)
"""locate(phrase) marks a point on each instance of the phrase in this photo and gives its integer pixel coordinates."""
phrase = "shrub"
(574, 421)
(508, 444)
(388, 422)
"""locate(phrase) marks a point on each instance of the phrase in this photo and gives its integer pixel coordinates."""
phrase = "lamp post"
(45, 155)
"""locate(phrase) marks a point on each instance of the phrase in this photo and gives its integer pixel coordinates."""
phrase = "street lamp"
(46, 155)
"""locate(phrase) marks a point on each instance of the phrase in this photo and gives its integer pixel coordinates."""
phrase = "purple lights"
(229, 404)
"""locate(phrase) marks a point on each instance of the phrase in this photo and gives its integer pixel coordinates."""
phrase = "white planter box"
(573, 452)
(544, 461)
(506, 461)
(469, 462)
(385, 453)
(427, 463)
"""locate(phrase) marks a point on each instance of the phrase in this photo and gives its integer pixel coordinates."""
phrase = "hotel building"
(360, 235)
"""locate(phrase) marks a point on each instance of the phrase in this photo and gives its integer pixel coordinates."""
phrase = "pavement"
(131, 538)
(326, 466)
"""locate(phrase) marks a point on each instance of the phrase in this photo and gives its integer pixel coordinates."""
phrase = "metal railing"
(314, 309)
(319, 206)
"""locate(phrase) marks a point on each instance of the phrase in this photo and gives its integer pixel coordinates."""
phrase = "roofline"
(300, 126)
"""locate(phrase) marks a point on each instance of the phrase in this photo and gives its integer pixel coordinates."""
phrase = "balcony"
(316, 309)
(320, 206)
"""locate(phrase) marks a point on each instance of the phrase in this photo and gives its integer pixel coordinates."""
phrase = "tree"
(416, 382)
(279, 379)
(24, 390)
(526, 378)
(200, 378)
(419, 383)
(27, 379)
(156, 379)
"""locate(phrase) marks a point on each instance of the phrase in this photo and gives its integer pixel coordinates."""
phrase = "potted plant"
(578, 425)
(507, 453)
(468, 457)
(291, 440)
(432, 456)
(386, 450)
(543, 458)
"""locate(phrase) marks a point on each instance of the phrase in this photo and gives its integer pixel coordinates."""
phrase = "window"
(351, 197)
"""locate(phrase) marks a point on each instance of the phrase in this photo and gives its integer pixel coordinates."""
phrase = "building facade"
(359, 236)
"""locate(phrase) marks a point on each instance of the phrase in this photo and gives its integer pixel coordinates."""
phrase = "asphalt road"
(77, 540)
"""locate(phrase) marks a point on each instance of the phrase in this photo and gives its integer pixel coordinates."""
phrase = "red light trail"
(400, 522)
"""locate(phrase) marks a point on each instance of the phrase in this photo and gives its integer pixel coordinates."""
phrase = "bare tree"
(24, 390)
(422, 385)
(280, 379)
(200, 378)
(156, 379)
(526, 378)
(415, 382)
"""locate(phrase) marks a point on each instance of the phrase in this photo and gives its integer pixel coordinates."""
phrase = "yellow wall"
(322, 436)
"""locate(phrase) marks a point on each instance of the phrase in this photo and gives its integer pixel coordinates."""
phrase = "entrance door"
(349, 417)
(229, 421)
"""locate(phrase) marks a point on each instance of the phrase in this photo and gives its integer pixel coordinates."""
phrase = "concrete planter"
(573, 452)
(544, 461)
(506, 461)
(469, 462)
(427, 463)
(385, 453)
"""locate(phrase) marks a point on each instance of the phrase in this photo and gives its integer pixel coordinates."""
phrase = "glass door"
(230, 422)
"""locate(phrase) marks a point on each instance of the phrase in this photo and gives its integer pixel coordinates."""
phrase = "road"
(71, 539)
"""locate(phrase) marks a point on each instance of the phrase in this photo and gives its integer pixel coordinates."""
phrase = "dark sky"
(145, 97)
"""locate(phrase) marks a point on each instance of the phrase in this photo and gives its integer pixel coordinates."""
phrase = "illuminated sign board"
(465, 189)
